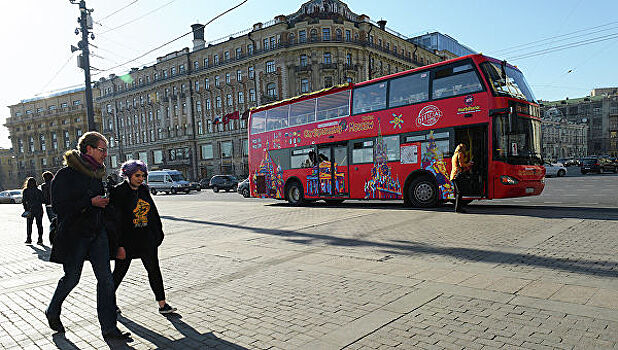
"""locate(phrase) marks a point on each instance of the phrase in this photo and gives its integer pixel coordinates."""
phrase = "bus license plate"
(529, 190)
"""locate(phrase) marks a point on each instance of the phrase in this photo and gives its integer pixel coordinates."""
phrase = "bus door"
(333, 170)
(475, 138)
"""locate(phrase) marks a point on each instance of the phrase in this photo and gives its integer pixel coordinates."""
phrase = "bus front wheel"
(423, 192)
(295, 194)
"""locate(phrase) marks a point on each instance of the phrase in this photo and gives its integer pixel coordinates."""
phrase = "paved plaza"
(257, 274)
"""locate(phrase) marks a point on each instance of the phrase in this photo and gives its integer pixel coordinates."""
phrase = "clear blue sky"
(36, 36)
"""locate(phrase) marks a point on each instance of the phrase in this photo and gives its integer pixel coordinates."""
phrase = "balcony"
(303, 68)
(328, 65)
(268, 99)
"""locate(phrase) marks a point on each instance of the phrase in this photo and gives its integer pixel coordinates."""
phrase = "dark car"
(223, 182)
(204, 183)
(195, 186)
(598, 165)
(243, 188)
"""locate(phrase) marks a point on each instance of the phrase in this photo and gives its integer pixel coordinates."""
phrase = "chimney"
(198, 36)
(257, 26)
(382, 24)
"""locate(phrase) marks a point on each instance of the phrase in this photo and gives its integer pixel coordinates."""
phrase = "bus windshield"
(519, 144)
(514, 84)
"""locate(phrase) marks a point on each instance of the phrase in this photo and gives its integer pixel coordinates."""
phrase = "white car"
(10, 196)
(555, 169)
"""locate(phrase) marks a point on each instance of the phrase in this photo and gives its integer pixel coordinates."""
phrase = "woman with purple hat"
(139, 228)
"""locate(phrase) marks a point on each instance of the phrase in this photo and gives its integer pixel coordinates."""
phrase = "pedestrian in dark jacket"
(140, 229)
(32, 200)
(46, 189)
(77, 199)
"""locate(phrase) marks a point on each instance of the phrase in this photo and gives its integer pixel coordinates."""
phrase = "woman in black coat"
(139, 229)
(32, 200)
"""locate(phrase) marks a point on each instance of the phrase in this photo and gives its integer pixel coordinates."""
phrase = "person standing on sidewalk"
(140, 229)
(78, 200)
(460, 167)
(46, 189)
(32, 200)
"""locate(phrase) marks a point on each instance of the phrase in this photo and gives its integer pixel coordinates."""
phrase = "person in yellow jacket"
(460, 165)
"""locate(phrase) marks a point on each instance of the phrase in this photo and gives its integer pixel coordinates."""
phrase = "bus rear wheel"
(423, 192)
(295, 194)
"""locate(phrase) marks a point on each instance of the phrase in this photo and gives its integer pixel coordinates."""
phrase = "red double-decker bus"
(393, 137)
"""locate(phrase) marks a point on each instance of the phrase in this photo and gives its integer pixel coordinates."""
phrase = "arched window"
(271, 90)
(314, 35)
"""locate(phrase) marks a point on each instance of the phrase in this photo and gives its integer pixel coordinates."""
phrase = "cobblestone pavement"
(254, 274)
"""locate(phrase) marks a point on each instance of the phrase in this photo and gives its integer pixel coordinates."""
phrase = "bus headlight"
(507, 180)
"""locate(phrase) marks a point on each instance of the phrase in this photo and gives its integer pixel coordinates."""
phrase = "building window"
(239, 75)
(238, 52)
(198, 106)
(303, 60)
(20, 145)
(348, 59)
(327, 58)
(173, 71)
(226, 149)
(328, 82)
(265, 44)
(245, 147)
(216, 80)
(197, 86)
(77, 102)
(226, 55)
(206, 62)
(216, 59)
(228, 78)
(252, 95)
(271, 90)
(208, 104)
(314, 35)
(42, 142)
(251, 72)
(196, 65)
(206, 84)
(207, 152)
(302, 36)
(218, 102)
(200, 128)
(229, 100)
(304, 86)
(250, 49)
(157, 156)
(338, 34)
(241, 97)
(273, 42)
(270, 66)
(326, 34)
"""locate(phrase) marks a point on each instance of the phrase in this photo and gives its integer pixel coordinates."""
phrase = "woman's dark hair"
(48, 176)
(30, 182)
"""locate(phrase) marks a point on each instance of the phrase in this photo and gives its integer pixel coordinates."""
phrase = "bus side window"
(277, 118)
(453, 81)
(369, 98)
(302, 112)
(258, 122)
(302, 158)
(333, 106)
(409, 89)
(362, 152)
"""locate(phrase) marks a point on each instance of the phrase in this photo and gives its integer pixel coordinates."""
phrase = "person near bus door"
(460, 165)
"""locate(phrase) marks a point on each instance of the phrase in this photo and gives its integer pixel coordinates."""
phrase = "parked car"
(223, 182)
(205, 183)
(168, 181)
(195, 186)
(10, 196)
(555, 169)
(243, 188)
(598, 164)
(567, 162)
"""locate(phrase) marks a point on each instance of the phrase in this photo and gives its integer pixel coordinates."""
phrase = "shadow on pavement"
(42, 254)
(602, 268)
(540, 211)
(192, 338)
(63, 343)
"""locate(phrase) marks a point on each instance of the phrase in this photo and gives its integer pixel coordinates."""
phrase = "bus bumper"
(521, 189)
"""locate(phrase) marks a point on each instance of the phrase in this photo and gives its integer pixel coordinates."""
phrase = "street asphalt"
(535, 273)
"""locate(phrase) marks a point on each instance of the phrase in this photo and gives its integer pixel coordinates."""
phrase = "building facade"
(599, 112)
(189, 110)
(562, 139)
(7, 169)
(42, 129)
